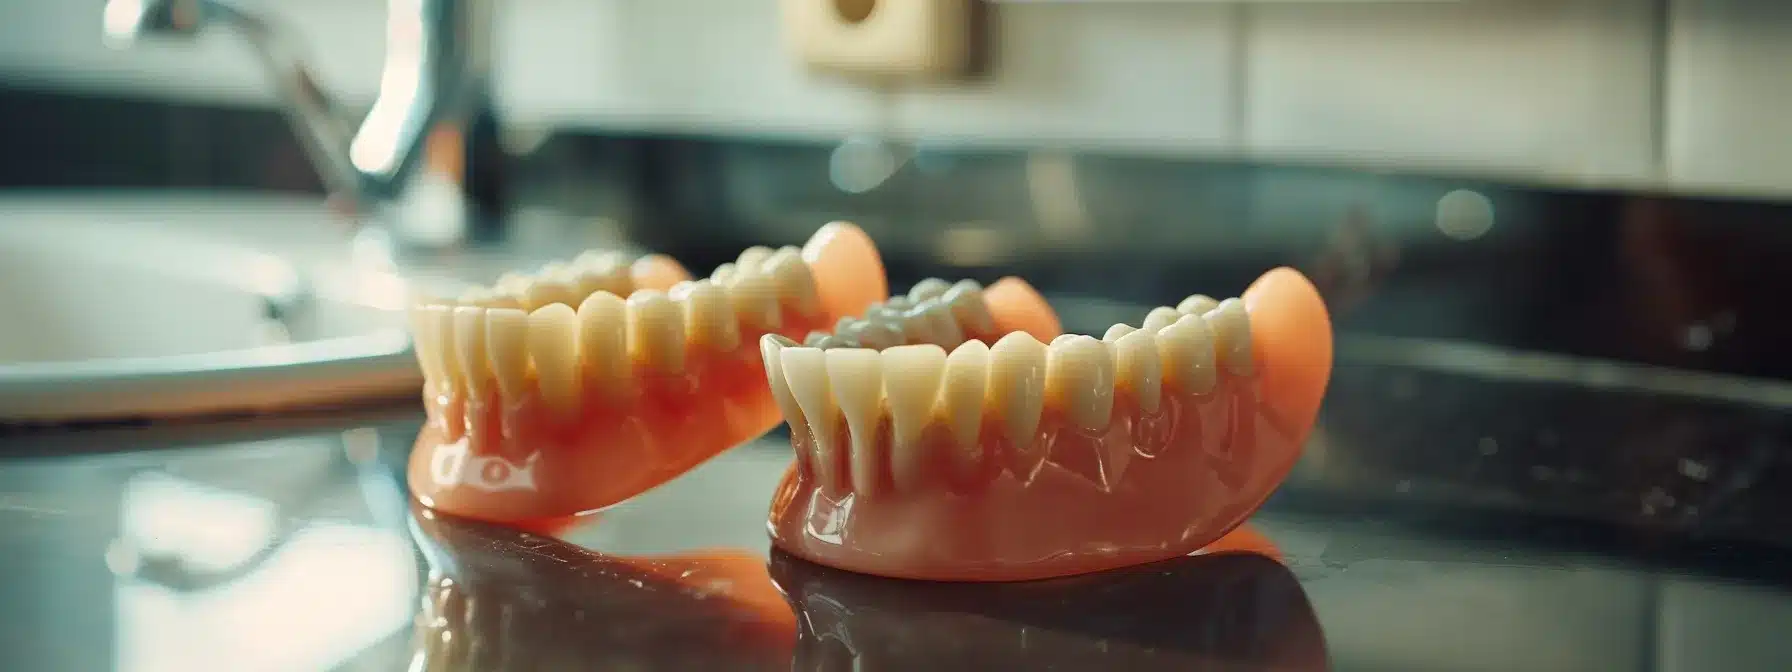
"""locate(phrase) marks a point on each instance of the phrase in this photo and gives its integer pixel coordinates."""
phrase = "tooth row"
(934, 312)
(1011, 383)
(568, 333)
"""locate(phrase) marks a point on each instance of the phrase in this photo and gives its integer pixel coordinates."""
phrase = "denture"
(561, 392)
(1021, 453)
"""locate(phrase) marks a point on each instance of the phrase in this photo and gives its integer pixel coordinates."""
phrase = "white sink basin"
(133, 307)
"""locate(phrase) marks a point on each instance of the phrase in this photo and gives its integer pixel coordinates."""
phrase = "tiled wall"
(1680, 94)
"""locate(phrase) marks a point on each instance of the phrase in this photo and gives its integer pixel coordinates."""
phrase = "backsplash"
(1653, 95)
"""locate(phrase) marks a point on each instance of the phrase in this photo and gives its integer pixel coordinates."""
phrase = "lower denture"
(1161, 478)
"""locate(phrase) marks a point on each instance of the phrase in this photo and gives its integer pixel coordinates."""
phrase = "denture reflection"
(1219, 611)
(499, 598)
(594, 380)
(1024, 453)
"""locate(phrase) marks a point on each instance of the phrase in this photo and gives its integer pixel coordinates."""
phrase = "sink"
(150, 306)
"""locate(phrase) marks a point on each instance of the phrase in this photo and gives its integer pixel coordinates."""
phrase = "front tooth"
(708, 317)
(1080, 380)
(771, 347)
(1186, 352)
(549, 290)
(961, 396)
(506, 346)
(755, 300)
(553, 345)
(1197, 304)
(1159, 318)
(806, 371)
(911, 387)
(1136, 364)
(928, 289)
(856, 376)
(427, 338)
(752, 259)
(469, 347)
(1016, 386)
(603, 342)
(966, 300)
(1118, 331)
(656, 331)
(796, 286)
(1232, 335)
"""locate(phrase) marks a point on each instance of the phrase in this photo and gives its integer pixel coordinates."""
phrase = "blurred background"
(1555, 236)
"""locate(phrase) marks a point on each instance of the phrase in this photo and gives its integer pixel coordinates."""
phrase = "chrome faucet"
(434, 88)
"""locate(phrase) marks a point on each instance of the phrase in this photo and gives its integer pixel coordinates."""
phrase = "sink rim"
(340, 369)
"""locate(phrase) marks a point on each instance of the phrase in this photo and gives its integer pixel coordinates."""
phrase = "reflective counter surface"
(290, 545)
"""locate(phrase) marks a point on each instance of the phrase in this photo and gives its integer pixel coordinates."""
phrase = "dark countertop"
(290, 544)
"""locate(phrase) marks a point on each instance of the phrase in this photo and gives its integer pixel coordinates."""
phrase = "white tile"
(1728, 93)
(1556, 88)
(1156, 76)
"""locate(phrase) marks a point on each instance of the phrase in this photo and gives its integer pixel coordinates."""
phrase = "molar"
(1080, 381)
(1185, 350)
(755, 300)
(708, 315)
(1232, 335)
(752, 259)
(966, 300)
(1136, 364)
(1197, 304)
(928, 289)
(1159, 318)
(1118, 331)
(795, 284)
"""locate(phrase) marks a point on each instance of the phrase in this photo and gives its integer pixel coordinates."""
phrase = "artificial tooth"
(915, 326)
(961, 394)
(806, 372)
(511, 283)
(911, 387)
(930, 288)
(612, 278)
(770, 348)
(966, 300)
(550, 290)
(480, 296)
(1232, 335)
(656, 331)
(469, 347)
(553, 345)
(1016, 387)
(708, 317)
(1080, 381)
(752, 259)
(899, 303)
(755, 300)
(1159, 318)
(1136, 364)
(506, 346)
(1197, 304)
(946, 331)
(723, 274)
(1118, 331)
(879, 335)
(1185, 350)
(796, 286)
(814, 338)
(426, 340)
(857, 380)
(603, 341)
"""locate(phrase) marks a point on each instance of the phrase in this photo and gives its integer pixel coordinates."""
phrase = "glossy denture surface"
(996, 460)
(573, 408)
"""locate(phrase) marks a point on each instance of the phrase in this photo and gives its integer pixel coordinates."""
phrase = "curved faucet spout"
(437, 63)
